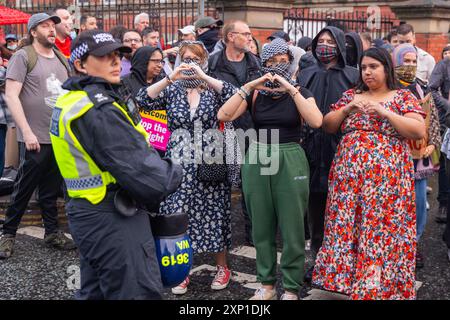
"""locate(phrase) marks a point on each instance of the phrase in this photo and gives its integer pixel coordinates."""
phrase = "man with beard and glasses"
(63, 30)
(26, 95)
(327, 80)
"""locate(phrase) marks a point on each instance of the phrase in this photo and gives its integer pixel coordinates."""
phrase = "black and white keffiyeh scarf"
(276, 47)
(192, 83)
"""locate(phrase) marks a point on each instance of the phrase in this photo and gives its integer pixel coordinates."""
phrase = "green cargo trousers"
(275, 182)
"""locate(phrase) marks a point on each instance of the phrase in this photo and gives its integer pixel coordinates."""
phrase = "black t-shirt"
(240, 69)
(277, 114)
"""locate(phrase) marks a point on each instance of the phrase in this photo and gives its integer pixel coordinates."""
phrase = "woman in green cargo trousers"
(275, 174)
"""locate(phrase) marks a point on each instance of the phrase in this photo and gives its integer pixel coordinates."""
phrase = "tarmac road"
(36, 272)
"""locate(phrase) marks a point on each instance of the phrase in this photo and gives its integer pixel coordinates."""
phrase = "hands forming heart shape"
(271, 82)
(187, 71)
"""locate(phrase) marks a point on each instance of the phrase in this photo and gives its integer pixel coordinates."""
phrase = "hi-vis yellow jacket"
(84, 179)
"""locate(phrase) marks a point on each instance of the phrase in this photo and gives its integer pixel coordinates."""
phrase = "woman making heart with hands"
(370, 220)
(192, 99)
(278, 106)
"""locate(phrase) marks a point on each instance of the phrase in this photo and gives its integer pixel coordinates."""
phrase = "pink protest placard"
(155, 123)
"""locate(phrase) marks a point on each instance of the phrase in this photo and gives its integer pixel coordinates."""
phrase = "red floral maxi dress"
(369, 245)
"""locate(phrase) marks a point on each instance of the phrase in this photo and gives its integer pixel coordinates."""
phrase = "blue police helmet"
(173, 247)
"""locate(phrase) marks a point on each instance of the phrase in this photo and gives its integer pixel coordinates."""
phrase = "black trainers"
(6, 246)
(442, 215)
(59, 241)
(419, 260)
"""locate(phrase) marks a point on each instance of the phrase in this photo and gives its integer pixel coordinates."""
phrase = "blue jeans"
(421, 206)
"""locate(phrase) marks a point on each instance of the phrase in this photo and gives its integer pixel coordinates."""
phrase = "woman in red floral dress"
(369, 243)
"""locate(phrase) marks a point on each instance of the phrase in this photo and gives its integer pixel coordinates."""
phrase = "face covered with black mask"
(351, 54)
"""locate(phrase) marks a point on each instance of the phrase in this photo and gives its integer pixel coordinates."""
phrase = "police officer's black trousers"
(117, 253)
(36, 169)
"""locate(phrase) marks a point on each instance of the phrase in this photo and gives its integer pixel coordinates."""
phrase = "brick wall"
(432, 43)
(262, 34)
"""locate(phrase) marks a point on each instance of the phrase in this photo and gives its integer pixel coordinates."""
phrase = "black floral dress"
(208, 204)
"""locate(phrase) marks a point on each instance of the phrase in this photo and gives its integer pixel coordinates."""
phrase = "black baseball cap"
(279, 34)
(97, 43)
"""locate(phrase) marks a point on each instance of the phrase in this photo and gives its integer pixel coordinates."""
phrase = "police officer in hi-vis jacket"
(113, 176)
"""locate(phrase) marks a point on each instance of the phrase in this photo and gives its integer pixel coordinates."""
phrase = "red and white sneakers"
(182, 287)
(222, 278)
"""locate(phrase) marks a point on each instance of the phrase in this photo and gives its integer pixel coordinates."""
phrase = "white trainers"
(264, 294)
(288, 296)
(182, 287)
(428, 206)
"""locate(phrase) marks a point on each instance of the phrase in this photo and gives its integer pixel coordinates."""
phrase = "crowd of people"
(347, 130)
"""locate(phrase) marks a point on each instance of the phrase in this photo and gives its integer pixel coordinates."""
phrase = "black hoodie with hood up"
(327, 87)
(354, 49)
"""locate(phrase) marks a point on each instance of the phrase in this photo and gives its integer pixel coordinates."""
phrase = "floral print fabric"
(369, 245)
(208, 204)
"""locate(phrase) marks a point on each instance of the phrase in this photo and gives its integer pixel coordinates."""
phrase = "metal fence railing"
(300, 22)
(167, 15)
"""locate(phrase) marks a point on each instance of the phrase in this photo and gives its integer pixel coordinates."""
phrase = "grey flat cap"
(206, 22)
(37, 18)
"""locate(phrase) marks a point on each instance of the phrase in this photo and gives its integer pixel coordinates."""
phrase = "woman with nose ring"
(369, 244)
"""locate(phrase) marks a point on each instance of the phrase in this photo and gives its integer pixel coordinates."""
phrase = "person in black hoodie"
(354, 49)
(327, 80)
(146, 68)
(440, 87)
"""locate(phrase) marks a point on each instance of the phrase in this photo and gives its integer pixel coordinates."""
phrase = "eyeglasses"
(189, 60)
(158, 61)
(132, 40)
(245, 34)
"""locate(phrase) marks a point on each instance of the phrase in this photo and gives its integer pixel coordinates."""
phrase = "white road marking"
(249, 252)
(36, 232)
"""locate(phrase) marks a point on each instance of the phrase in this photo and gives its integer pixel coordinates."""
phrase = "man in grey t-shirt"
(26, 94)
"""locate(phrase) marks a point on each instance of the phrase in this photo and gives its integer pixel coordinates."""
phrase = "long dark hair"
(382, 56)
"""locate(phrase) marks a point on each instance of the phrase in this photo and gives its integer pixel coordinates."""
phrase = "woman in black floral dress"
(192, 99)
